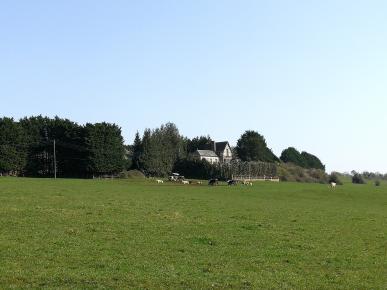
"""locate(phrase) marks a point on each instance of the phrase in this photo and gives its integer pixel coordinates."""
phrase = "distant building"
(223, 150)
(207, 155)
(215, 152)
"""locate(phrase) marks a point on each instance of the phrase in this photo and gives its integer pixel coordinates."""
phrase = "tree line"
(163, 150)
(27, 149)
(357, 177)
(303, 159)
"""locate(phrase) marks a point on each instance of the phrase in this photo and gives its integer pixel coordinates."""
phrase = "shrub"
(377, 182)
(285, 175)
(319, 175)
(291, 172)
(197, 169)
(334, 177)
(357, 179)
(132, 174)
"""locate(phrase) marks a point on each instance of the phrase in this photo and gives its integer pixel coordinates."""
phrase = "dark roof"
(207, 153)
(220, 146)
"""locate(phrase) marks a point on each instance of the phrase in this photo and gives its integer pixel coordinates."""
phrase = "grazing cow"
(246, 182)
(232, 182)
(213, 182)
(333, 184)
(159, 181)
(185, 181)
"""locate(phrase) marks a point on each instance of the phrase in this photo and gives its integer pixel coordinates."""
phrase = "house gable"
(219, 151)
(223, 150)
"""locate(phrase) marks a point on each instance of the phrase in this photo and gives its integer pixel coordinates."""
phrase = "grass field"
(92, 234)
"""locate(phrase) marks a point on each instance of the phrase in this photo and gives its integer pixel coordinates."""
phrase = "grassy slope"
(124, 234)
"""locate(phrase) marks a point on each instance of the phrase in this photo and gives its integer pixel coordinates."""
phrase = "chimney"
(214, 146)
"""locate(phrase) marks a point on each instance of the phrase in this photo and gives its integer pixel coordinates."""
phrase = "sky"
(305, 73)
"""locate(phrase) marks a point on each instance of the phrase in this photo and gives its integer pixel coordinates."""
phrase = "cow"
(246, 182)
(159, 181)
(185, 182)
(232, 182)
(333, 184)
(213, 182)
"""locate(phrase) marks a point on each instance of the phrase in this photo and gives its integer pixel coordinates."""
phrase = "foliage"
(294, 173)
(70, 148)
(80, 150)
(374, 175)
(252, 146)
(334, 177)
(105, 147)
(137, 151)
(253, 169)
(160, 149)
(196, 143)
(357, 179)
(234, 153)
(304, 159)
(198, 169)
(13, 147)
(377, 182)
(131, 174)
(128, 157)
(201, 169)
(292, 155)
(40, 161)
(312, 161)
(27, 148)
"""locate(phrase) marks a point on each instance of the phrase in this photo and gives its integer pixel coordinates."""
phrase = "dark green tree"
(40, 146)
(312, 161)
(128, 158)
(13, 147)
(357, 178)
(292, 155)
(196, 143)
(161, 148)
(71, 153)
(148, 154)
(105, 148)
(252, 146)
(137, 151)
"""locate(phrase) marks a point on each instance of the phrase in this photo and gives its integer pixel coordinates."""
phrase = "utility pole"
(54, 161)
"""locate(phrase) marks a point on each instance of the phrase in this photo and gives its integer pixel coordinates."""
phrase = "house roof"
(220, 146)
(207, 153)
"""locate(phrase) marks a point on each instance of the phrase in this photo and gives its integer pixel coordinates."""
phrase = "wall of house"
(210, 159)
(224, 157)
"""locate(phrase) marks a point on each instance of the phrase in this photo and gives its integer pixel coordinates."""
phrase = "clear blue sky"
(309, 74)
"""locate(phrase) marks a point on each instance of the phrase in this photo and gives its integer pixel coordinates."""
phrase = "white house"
(207, 155)
(223, 150)
(215, 152)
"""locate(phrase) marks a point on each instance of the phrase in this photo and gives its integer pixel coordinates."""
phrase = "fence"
(255, 178)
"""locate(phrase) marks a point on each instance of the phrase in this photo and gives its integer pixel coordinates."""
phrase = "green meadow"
(136, 234)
